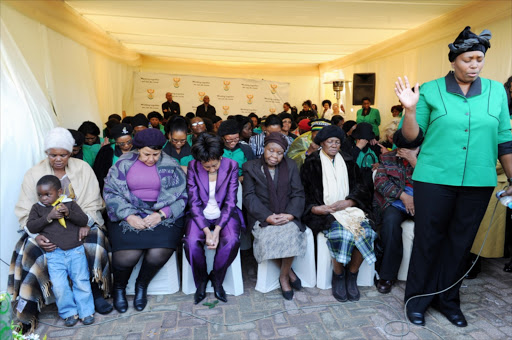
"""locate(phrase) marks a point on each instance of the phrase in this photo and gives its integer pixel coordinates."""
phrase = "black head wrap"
(228, 127)
(328, 132)
(78, 137)
(285, 115)
(469, 41)
(348, 125)
(278, 138)
(149, 137)
(155, 114)
(139, 120)
(121, 130)
(363, 131)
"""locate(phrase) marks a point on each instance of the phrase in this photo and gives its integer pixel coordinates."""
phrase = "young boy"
(64, 224)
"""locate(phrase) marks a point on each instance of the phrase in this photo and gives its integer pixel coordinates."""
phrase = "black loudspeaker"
(364, 86)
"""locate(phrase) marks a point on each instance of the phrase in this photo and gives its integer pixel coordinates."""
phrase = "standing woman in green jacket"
(369, 115)
(465, 123)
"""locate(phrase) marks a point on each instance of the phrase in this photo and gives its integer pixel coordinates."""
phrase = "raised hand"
(405, 93)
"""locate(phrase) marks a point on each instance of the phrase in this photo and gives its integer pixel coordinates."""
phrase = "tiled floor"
(486, 302)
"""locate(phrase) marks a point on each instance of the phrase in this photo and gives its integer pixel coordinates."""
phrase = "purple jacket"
(225, 192)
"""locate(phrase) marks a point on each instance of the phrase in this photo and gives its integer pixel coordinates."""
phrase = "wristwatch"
(162, 216)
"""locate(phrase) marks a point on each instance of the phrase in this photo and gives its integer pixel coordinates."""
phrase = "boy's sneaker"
(88, 320)
(71, 321)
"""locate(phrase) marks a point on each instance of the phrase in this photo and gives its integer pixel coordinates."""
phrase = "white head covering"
(59, 138)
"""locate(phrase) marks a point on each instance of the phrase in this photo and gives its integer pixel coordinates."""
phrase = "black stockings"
(127, 259)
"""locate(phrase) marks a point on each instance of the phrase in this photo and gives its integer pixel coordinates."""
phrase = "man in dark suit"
(170, 107)
(206, 110)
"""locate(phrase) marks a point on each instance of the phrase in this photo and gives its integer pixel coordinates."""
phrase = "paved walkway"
(486, 301)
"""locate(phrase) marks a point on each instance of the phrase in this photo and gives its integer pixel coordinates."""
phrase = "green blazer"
(462, 132)
(373, 118)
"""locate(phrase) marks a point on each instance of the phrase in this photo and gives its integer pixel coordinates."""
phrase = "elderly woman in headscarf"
(29, 283)
(274, 198)
(145, 193)
(303, 145)
(109, 154)
(465, 123)
(337, 204)
(213, 218)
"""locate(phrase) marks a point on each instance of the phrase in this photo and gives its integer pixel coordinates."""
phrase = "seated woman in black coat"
(274, 197)
(109, 154)
(336, 203)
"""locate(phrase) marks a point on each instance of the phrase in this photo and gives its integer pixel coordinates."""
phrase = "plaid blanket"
(341, 242)
(29, 282)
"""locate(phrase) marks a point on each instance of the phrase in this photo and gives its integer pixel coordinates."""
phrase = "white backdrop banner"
(229, 96)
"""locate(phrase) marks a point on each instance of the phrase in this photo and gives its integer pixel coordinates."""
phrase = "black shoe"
(220, 294)
(200, 294)
(218, 290)
(146, 274)
(384, 286)
(297, 284)
(457, 319)
(339, 288)
(508, 267)
(71, 321)
(287, 294)
(141, 296)
(119, 299)
(121, 277)
(416, 318)
(102, 306)
(88, 320)
(352, 290)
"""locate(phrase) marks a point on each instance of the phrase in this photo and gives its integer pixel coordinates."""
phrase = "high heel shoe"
(287, 294)
(297, 284)
(200, 294)
(218, 290)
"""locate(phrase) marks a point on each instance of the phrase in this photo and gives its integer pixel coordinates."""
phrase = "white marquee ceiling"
(291, 32)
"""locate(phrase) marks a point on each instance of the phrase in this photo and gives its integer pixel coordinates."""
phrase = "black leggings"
(154, 257)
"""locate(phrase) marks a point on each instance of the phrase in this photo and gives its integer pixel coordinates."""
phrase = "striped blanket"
(29, 282)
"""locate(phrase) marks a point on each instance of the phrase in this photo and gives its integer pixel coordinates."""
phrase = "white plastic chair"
(407, 241)
(304, 267)
(166, 281)
(233, 283)
(324, 267)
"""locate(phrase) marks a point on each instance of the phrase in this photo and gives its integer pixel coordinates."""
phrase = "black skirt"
(159, 237)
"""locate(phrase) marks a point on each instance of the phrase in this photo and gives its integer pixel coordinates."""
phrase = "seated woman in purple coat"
(213, 218)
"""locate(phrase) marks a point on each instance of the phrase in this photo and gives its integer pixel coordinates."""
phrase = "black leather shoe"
(119, 297)
(384, 286)
(297, 284)
(457, 319)
(287, 294)
(352, 290)
(339, 288)
(200, 294)
(141, 296)
(220, 293)
(416, 318)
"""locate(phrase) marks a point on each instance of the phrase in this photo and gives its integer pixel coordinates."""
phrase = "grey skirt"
(278, 241)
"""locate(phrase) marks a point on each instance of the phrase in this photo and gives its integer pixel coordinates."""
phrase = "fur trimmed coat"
(311, 176)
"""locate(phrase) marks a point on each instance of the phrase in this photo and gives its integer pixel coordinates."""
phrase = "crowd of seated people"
(158, 182)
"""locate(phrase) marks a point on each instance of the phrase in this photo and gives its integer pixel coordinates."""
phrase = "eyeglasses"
(130, 142)
(231, 141)
(178, 141)
(197, 123)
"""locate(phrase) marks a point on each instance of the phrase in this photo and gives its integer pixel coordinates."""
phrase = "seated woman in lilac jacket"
(213, 218)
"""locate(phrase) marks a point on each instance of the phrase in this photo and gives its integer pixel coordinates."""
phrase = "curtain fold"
(26, 116)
